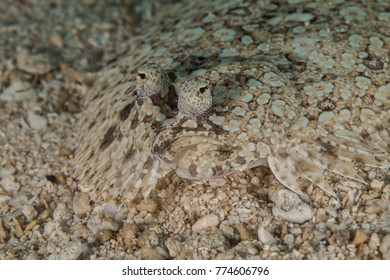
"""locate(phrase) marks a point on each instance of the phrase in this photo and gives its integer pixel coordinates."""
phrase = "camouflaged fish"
(304, 91)
(242, 114)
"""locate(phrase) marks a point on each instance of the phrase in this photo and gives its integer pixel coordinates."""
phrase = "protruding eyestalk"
(152, 79)
(195, 98)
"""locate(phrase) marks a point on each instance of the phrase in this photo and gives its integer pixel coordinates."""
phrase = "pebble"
(174, 247)
(377, 185)
(18, 91)
(385, 247)
(81, 206)
(80, 231)
(289, 240)
(57, 41)
(129, 233)
(331, 211)
(110, 224)
(36, 122)
(374, 241)
(227, 231)
(147, 205)
(149, 254)
(4, 198)
(252, 251)
(217, 182)
(103, 235)
(33, 256)
(244, 232)
(289, 207)
(161, 251)
(3, 233)
(221, 196)
(360, 237)
(7, 171)
(9, 184)
(208, 221)
(265, 236)
(37, 64)
(71, 252)
(29, 212)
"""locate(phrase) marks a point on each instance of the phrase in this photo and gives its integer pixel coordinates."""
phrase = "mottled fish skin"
(254, 105)
(335, 61)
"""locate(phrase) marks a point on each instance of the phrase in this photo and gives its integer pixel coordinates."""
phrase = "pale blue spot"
(299, 29)
(242, 136)
(234, 125)
(321, 59)
(300, 123)
(348, 60)
(324, 32)
(246, 40)
(226, 128)
(190, 35)
(342, 28)
(355, 40)
(366, 114)
(229, 52)
(277, 107)
(318, 89)
(247, 97)
(383, 93)
(345, 93)
(254, 126)
(218, 120)
(254, 121)
(351, 13)
(233, 94)
(263, 99)
(275, 20)
(239, 111)
(225, 34)
(262, 47)
(214, 74)
(363, 82)
(385, 16)
(273, 79)
(253, 83)
(219, 89)
(325, 117)
(345, 113)
(304, 17)
(199, 72)
(251, 147)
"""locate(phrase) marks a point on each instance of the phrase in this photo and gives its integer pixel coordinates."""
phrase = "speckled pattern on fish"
(307, 92)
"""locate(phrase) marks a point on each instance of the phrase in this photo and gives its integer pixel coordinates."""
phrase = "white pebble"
(208, 221)
(18, 91)
(265, 236)
(71, 252)
(4, 198)
(38, 64)
(81, 206)
(36, 122)
(217, 182)
(289, 207)
(9, 184)
(385, 247)
(331, 211)
(289, 240)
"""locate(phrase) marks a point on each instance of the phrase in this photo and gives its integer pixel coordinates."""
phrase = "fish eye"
(142, 75)
(202, 89)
